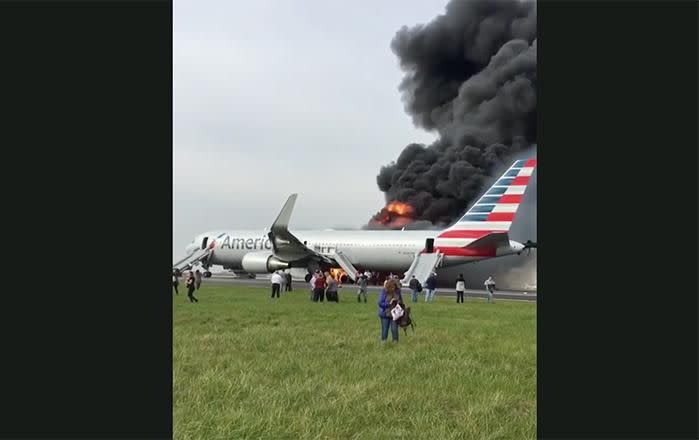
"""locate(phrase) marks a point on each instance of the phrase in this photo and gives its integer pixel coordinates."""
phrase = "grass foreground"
(249, 367)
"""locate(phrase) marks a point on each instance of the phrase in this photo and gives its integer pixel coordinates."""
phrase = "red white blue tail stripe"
(494, 211)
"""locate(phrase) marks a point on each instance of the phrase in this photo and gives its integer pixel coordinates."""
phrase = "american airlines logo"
(246, 243)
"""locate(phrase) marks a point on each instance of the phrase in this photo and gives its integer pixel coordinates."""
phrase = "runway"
(351, 289)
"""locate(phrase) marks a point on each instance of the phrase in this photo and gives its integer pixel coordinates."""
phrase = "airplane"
(481, 233)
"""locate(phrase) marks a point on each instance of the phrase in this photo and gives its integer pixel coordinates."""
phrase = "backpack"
(405, 321)
(419, 287)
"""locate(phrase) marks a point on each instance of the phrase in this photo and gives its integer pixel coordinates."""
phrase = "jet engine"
(262, 262)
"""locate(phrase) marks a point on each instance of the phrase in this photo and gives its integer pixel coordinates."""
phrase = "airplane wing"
(286, 246)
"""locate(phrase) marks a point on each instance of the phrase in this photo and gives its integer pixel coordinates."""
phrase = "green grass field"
(248, 367)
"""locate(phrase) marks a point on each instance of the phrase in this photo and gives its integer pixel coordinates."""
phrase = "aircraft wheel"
(207, 274)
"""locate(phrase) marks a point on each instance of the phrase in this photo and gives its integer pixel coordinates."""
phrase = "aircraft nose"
(191, 247)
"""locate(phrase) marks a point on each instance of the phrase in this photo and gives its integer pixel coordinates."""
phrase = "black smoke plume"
(470, 76)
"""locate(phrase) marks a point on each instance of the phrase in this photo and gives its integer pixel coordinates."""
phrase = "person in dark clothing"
(414, 288)
(190, 288)
(319, 288)
(288, 282)
(430, 287)
(460, 288)
(175, 283)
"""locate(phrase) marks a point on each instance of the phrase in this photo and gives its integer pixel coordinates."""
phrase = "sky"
(279, 97)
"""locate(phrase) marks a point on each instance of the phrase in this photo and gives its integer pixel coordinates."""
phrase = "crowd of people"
(324, 286)
(430, 288)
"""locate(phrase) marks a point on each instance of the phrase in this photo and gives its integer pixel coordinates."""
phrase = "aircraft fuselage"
(384, 250)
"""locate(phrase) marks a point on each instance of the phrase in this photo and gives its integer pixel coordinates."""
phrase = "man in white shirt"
(282, 279)
(276, 283)
(313, 283)
(460, 288)
(490, 287)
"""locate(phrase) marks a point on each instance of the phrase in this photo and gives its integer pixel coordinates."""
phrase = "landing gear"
(205, 264)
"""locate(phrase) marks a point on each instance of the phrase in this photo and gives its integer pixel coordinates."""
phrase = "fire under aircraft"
(481, 233)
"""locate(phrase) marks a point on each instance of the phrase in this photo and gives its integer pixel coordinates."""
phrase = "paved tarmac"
(351, 289)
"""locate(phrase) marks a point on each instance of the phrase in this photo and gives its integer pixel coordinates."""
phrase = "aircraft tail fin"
(495, 211)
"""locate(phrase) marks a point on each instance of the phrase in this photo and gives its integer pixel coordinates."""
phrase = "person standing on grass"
(460, 288)
(197, 279)
(313, 283)
(276, 280)
(490, 288)
(282, 280)
(328, 277)
(388, 298)
(319, 288)
(331, 290)
(430, 287)
(414, 283)
(362, 282)
(190, 283)
(175, 283)
(288, 282)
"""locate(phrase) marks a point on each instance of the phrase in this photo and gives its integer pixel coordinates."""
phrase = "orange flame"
(400, 208)
(395, 215)
(337, 274)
